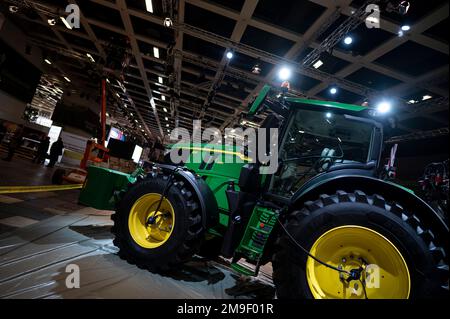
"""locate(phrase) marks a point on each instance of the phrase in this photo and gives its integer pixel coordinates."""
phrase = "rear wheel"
(399, 256)
(157, 240)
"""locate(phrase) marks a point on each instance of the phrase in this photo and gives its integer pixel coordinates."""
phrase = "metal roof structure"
(192, 78)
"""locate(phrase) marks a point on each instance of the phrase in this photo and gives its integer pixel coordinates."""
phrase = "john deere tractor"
(325, 220)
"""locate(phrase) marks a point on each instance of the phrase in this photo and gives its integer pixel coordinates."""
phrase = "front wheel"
(397, 256)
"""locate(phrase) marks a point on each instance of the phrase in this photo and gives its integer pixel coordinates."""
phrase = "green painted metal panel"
(336, 105)
(100, 185)
(261, 96)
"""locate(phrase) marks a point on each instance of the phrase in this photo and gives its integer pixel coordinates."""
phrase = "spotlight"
(384, 107)
(13, 9)
(348, 40)
(168, 22)
(67, 79)
(405, 27)
(284, 73)
(256, 69)
(90, 57)
(403, 7)
(426, 97)
(48, 61)
(333, 90)
(229, 55)
(318, 64)
(328, 115)
(51, 22)
(165, 109)
(399, 7)
(156, 52)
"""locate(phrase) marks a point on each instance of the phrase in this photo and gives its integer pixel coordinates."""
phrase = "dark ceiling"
(270, 33)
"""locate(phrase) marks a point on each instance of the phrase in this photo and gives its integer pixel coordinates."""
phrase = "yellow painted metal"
(350, 247)
(35, 189)
(151, 235)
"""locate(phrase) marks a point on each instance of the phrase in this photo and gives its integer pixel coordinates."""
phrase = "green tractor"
(330, 226)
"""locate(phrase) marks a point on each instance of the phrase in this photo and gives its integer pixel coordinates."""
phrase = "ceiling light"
(107, 80)
(90, 57)
(167, 125)
(163, 97)
(284, 73)
(13, 9)
(149, 5)
(107, 114)
(51, 21)
(160, 79)
(164, 109)
(156, 52)
(426, 97)
(168, 22)
(348, 40)
(318, 64)
(67, 79)
(333, 90)
(384, 107)
(68, 26)
(256, 69)
(405, 27)
(229, 55)
(166, 118)
(48, 61)
(328, 115)
(412, 101)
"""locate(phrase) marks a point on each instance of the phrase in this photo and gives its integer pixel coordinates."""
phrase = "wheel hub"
(368, 259)
(150, 228)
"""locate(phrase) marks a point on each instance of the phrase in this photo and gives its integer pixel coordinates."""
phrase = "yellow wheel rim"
(386, 274)
(154, 234)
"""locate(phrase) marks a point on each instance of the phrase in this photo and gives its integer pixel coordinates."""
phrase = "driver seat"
(326, 159)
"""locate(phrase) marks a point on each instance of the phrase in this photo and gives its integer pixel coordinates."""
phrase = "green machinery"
(330, 226)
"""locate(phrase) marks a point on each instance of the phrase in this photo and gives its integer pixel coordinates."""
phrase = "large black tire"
(423, 252)
(185, 238)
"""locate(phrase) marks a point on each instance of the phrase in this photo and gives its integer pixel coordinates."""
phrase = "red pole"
(103, 114)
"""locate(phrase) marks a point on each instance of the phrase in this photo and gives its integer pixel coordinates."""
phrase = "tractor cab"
(318, 138)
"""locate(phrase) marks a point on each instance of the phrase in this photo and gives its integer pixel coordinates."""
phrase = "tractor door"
(316, 142)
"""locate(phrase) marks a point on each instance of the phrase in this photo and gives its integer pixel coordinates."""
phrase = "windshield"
(316, 141)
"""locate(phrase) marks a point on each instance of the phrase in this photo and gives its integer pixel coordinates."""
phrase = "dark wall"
(413, 156)
(78, 117)
(18, 77)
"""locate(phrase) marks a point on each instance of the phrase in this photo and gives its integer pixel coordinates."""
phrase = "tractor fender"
(205, 196)
(370, 185)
